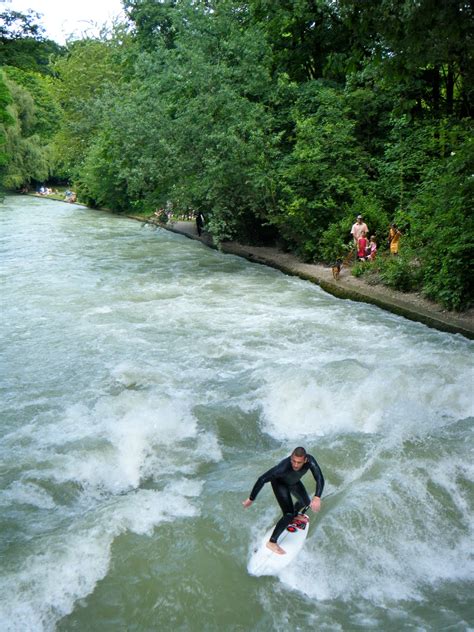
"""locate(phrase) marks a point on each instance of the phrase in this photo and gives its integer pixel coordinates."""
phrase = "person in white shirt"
(359, 229)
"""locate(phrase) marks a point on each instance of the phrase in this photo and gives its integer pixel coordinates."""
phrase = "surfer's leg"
(301, 494)
(283, 496)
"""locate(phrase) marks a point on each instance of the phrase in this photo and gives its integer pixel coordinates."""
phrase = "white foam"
(306, 401)
(25, 493)
(390, 537)
(67, 567)
(47, 585)
(106, 450)
(122, 440)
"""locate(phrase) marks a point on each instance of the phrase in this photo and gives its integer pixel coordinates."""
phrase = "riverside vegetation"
(280, 120)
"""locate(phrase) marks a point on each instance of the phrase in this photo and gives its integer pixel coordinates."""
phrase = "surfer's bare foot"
(276, 548)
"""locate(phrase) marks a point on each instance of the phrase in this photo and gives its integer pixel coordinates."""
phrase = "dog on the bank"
(336, 269)
(341, 263)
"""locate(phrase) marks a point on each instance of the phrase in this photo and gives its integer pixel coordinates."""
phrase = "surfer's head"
(298, 458)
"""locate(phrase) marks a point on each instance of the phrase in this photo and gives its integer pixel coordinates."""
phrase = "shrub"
(400, 273)
(360, 269)
(443, 226)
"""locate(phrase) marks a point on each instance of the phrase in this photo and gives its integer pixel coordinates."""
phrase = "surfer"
(285, 479)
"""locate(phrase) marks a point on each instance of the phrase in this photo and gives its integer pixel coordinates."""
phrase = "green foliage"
(361, 268)
(188, 127)
(29, 115)
(47, 113)
(22, 42)
(279, 120)
(411, 148)
(324, 173)
(443, 225)
(83, 76)
(424, 50)
(303, 35)
(6, 120)
(222, 225)
(399, 273)
(5, 101)
(28, 157)
(153, 21)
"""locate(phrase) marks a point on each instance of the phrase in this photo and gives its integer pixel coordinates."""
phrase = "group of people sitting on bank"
(42, 190)
(70, 196)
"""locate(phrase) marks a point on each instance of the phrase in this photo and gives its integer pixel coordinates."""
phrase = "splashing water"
(147, 381)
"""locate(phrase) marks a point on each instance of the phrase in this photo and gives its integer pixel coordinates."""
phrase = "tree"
(425, 48)
(442, 225)
(22, 42)
(189, 127)
(324, 173)
(83, 75)
(28, 156)
(6, 120)
(154, 21)
(279, 119)
(47, 117)
(303, 35)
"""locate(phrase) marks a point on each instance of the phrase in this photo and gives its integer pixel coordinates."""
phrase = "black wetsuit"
(199, 223)
(285, 482)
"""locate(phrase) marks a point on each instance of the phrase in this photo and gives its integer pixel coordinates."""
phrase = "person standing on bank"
(285, 479)
(358, 229)
(199, 223)
(394, 239)
(362, 247)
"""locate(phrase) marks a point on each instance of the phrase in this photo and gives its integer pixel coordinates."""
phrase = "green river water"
(146, 382)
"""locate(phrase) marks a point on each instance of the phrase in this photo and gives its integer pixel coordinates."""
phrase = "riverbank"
(410, 305)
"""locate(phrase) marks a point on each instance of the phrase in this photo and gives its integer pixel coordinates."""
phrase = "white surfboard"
(266, 562)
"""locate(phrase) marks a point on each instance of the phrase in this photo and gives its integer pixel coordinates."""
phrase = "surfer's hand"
(316, 504)
(247, 503)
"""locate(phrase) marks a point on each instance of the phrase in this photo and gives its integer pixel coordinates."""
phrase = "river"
(147, 381)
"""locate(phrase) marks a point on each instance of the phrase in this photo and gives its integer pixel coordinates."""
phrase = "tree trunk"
(449, 90)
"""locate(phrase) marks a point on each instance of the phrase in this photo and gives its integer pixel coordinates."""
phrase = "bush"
(361, 268)
(335, 242)
(443, 226)
(400, 273)
(448, 279)
(222, 225)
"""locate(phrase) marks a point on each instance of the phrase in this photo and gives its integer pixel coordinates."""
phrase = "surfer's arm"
(264, 478)
(318, 476)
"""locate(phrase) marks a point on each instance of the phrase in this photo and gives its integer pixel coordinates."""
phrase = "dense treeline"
(29, 113)
(280, 120)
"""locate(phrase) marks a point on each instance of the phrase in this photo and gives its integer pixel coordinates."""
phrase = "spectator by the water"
(199, 223)
(359, 228)
(161, 215)
(394, 239)
(362, 247)
(372, 249)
